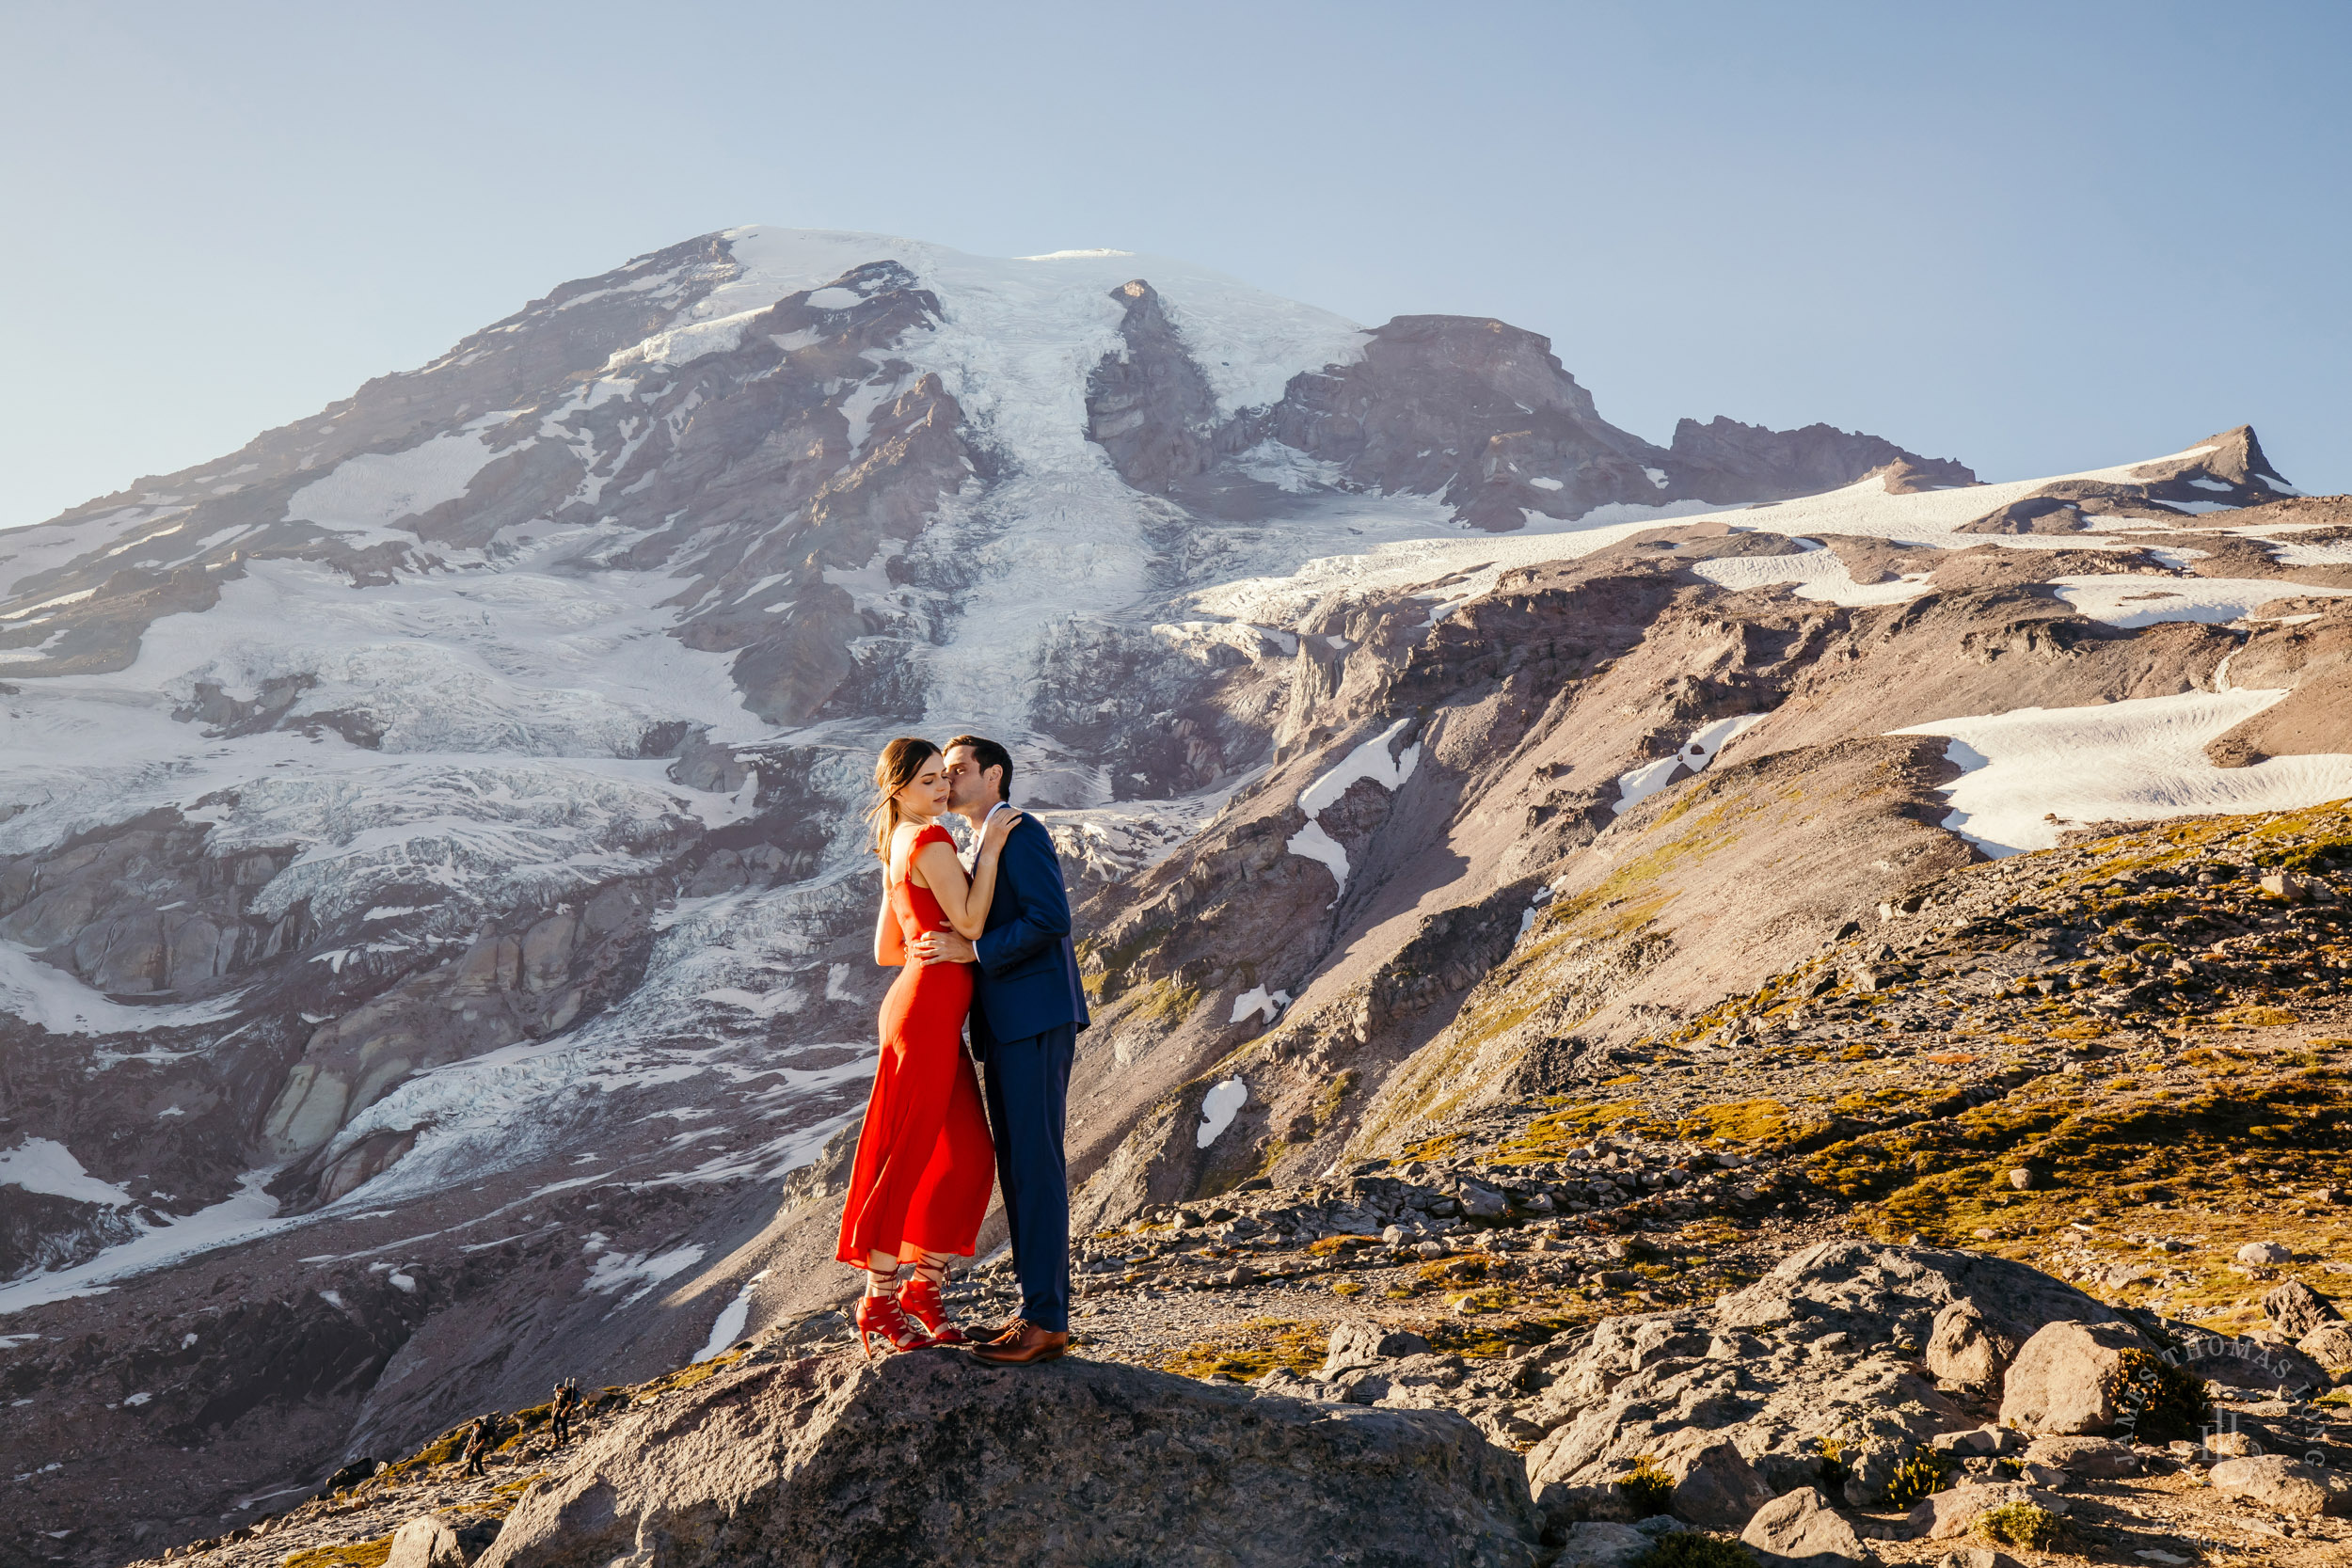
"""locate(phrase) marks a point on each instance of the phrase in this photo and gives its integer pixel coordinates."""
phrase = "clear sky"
(2035, 237)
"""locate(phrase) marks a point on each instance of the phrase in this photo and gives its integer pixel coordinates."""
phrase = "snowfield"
(2034, 772)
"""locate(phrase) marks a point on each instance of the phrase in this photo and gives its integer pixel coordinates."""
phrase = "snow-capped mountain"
(428, 841)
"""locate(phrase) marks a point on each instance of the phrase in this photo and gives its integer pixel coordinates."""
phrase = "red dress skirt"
(925, 1162)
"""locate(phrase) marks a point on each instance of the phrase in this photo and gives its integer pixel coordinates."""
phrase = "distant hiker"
(560, 1411)
(477, 1445)
(919, 1184)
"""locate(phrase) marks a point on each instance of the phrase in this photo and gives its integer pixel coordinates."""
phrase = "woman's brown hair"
(900, 761)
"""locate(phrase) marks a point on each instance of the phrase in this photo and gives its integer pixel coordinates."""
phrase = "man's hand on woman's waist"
(943, 947)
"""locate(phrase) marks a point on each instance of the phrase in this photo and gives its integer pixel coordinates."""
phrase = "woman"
(925, 1161)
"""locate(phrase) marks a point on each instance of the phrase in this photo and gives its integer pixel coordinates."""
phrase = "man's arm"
(1041, 905)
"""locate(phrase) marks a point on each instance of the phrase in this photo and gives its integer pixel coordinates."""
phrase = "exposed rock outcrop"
(1723, 460)
(1149, 406)
(934, 1458)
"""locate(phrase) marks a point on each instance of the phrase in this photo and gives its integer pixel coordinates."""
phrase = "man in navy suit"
(1027, 1011)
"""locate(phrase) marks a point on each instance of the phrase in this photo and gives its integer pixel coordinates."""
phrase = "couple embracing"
(984, 938)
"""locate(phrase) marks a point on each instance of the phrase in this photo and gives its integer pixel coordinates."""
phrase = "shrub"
(1834, 1472)
(1914, 1477)
(2168, 1403)
(1646, 1488)
(2018, 1525)
(1691, 1549)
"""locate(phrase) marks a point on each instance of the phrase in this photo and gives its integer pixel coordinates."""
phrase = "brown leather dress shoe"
(1021, 1344)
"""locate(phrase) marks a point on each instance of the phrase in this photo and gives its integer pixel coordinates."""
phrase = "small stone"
(2258, 1254)
(2021, 1179)
(1478, 1203)
(2098, 1458)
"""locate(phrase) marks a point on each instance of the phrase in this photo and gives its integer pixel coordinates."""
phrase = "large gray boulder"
(1824, 1346)
(1799, 1530)
(2070, 1377)
(2284, 1485)
(934, 1458)
(1945, 1514)
(1963, 1351)
(1714, 1485)
(425, 1542)
(2295, 1309)
(1603, 1543)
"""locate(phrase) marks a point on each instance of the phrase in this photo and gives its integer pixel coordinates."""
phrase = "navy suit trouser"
(1028, 1091)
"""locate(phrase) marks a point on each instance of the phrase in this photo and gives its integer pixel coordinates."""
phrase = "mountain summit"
(430, 883)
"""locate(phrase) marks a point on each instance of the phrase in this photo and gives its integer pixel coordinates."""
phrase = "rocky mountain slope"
(432, 924)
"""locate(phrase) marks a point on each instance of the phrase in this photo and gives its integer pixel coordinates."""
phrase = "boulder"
(1963, 1351)
(1597, 1544)
(2068, 1378)
(1715, 1487)
(932, 1456)
(2095, 1458)
(2263, 1254)
(1945, 1514)
(2295, 1309)
(1368, 1344)
(1799, 1530)
(2283, 1485)
(2329, 1346)
(1983, 1440)
(2253, 1361)
(425, 1542)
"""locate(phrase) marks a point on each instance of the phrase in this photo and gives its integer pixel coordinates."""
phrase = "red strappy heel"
(882, 1317)
(919, 1298)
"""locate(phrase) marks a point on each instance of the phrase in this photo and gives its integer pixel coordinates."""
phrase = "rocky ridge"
(448, 878)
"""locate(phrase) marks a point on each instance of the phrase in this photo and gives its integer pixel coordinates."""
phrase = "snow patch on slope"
(1818, 571)
(1370, 760)
(51, 999)
(2125, 599)
(377, 488)
(46, 1165)
(248, 1213)
(1697, 754)
(2033, 772)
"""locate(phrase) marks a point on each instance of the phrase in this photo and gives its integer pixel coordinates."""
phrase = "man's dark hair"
(987, 754)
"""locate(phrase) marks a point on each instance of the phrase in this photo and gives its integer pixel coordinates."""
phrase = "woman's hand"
(1000, 828)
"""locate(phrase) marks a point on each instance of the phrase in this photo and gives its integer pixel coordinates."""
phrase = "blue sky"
(2034, 237)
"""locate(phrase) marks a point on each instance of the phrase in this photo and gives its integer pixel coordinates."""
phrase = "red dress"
(925, 1161)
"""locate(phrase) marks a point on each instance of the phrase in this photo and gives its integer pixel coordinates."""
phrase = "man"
(1027, 1011)
(560, 1411)
(477, 1445)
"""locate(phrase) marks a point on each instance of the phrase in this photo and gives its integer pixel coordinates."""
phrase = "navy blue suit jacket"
(1027, 974)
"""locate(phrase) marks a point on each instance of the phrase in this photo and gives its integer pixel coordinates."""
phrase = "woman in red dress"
(925, 1161)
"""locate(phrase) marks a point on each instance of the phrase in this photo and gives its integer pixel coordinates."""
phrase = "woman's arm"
(966, 904)
(889, 943)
